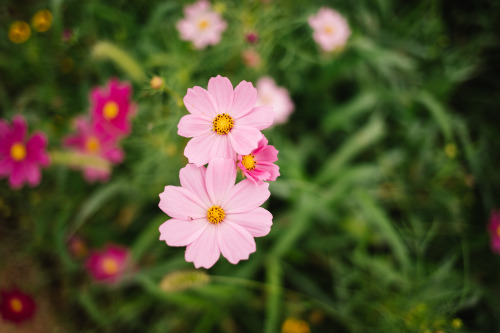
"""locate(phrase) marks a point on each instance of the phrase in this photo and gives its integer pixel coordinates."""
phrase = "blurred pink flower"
(331, 30)
(222, 122)
(201, 25)
(259, 165)
(112, 108)
(108, 265)
(277, 97)
(251, 58)
(211, 215)
(494, 230)
(92, 142)
(252, 37)
(16, 306)
(20, 159)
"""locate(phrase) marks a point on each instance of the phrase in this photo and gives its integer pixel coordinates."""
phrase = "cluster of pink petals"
(201, 25)
(94, 142)
(108, 265)
(202, 189)
(494, 230)
(204, 106)
(263, 159)
(331, 30)
(20, 157)
(277, 97)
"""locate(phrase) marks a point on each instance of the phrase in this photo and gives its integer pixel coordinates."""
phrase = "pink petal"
(204, 251)
(235, 242)
(272, 169)
(244, 139)
(193, 179)
(181, 232)
(198, 148)
(6, 166)
(177, 202)
(260, 117)
(33, 175)
(35, 148)
(19, 128)
(199, 102)
(18, 175)
(221, 176)
(193, 125)
(246, 196)
(245, 97)
(222, 148)
(257, 221)
(222, 90)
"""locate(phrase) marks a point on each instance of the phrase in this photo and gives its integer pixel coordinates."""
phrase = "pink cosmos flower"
(331, 30)
(222, 122)
(21, 158)
(211, 215)
(201, 25)
(16, 306)
(112, 108)
(258, 166)
(108, 265)
(277, 97)
(494, 230)
(94, 144)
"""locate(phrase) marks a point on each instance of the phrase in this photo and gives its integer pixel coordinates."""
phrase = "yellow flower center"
(248, 162)
(203, 24)
(19, 32)
(328, 29)
(109, 266)
(215, 215)
(42, 20)
(18, 151)
(92, 145)
(110, 110)
(498, 231)
(16, 305)
(223, 124)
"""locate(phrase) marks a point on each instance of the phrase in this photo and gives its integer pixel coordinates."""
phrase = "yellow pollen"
(16, 305)
(109, 266)
(92, 145)
(328, 29)
(18, 151)
(203, 24)
(110, 110)
(223, 124)
(215, 215)
(498, 231)
(248, 162)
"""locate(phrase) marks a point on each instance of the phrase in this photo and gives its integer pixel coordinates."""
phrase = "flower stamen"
(110, 110)
(92, 145)
(215, 215)
(203, 24)
(248, 161)
(18, 151)
(109, 266)
(223, 123)
(16, 305)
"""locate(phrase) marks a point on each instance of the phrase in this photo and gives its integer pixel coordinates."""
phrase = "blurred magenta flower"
(16, 306)
(252, 37)
(94, 143)
(222, 122)
(259, 165)
(277, 97)
(201, 25)
(331, 30)
(494, 229)
(211, 215)
(20, 159)
(112, 108)
(251, 58)
(108, 265)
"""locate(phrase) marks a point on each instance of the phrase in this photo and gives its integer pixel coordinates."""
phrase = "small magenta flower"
(277, 97)
(16, 306)
(108, 265)
(331, 30)
(201, 25)
(494, 230)
(112, 108)
(252, 37)
(259, 165)
(94, 143)
(222, 122)
(211, 215)
(20, 159)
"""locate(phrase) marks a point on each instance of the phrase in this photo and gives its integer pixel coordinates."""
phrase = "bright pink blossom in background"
(201, 25)
(21, 158)
(94, 142)
(259, 165)
(16, 306)
(112, 108)
(222, 122)
(494, 230)
(211, 215)
(277, 97)
(331, 30)
(108, 265)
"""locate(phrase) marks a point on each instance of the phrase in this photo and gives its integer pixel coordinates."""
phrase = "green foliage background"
(376, 227)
